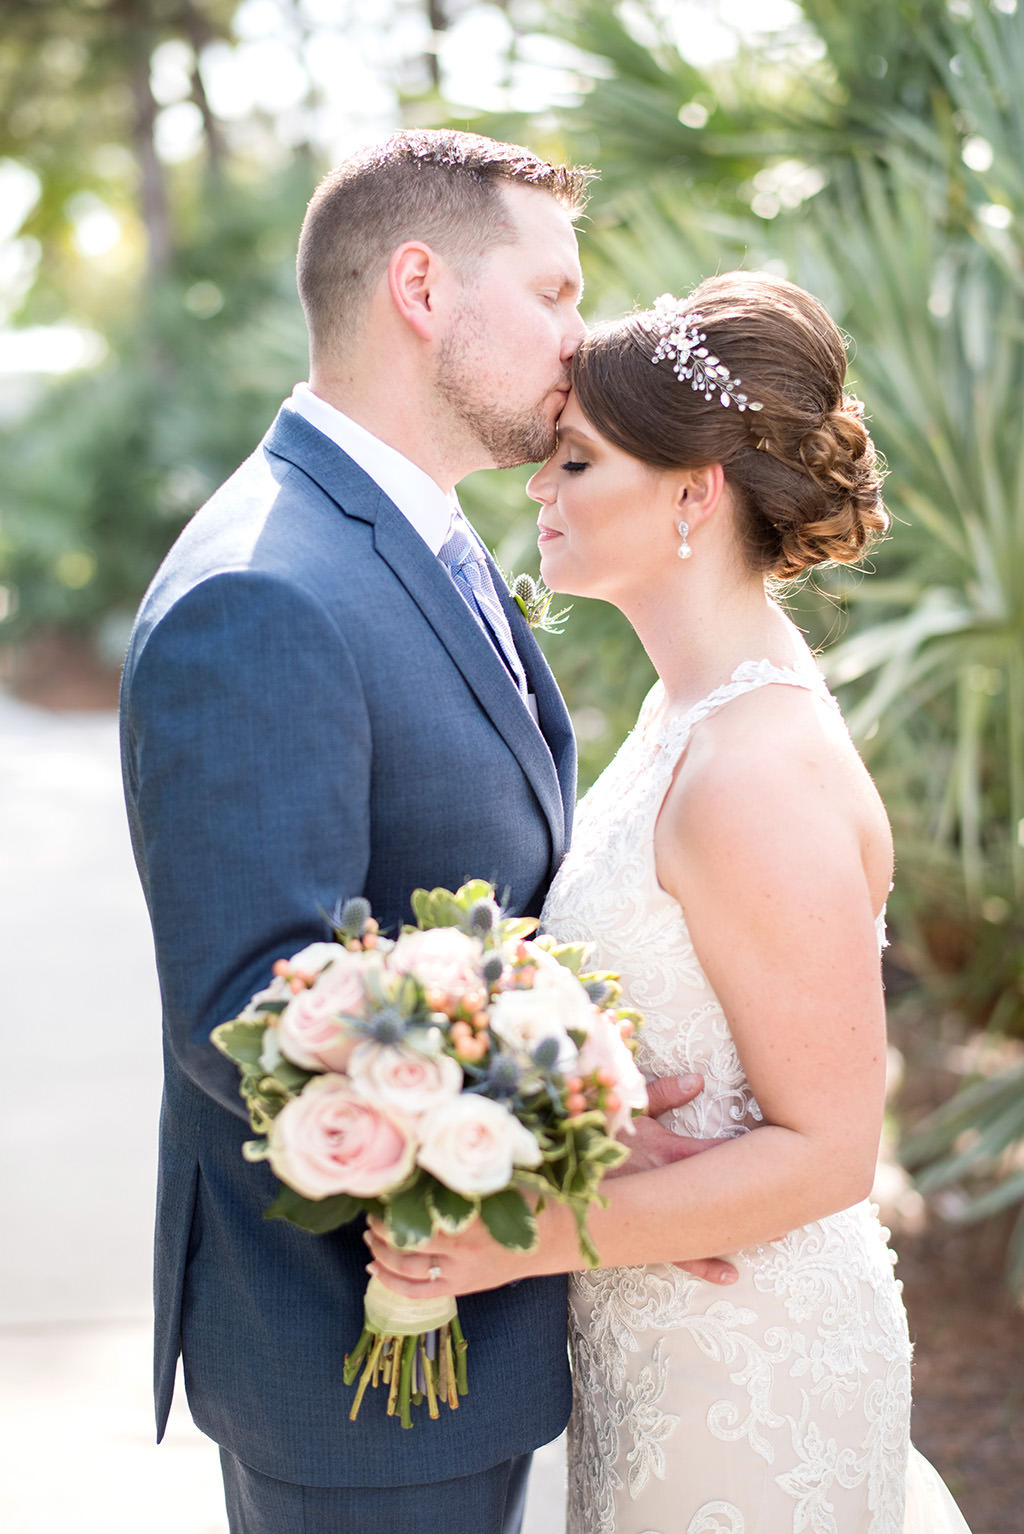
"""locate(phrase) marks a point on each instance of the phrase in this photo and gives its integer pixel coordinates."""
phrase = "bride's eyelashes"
(573, 466)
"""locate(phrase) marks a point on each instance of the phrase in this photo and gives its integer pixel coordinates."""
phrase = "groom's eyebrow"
(566, 282)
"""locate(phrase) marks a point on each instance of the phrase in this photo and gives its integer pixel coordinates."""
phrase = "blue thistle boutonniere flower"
(534, 602)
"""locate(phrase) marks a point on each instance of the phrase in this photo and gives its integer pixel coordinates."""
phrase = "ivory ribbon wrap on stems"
(397, 1315)
(413, 1346)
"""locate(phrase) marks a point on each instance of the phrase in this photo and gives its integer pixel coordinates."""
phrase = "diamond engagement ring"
(433, 1272)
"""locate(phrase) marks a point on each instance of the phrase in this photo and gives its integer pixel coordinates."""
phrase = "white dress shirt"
(419, 498)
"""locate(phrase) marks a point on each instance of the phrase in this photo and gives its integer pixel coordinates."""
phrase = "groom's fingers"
(667, 1092)
(713, 1270)
(652, 1145)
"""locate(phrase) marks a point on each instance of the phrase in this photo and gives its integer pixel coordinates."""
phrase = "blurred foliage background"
(155, 161)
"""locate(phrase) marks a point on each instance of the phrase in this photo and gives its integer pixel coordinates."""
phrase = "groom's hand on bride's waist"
(652, 1145)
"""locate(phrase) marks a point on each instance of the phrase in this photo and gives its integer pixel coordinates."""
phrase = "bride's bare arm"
(779, 854)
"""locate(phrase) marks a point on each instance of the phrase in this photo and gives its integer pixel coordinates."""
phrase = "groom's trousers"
(490, 1502)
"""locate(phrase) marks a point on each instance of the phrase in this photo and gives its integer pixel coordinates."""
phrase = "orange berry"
(371, 925)
(472, 1049)
(370, 940)
(296, 984)
(280, 967)
(576, 1103)
(605, 1077)
(613, 1102)
(575, 1084)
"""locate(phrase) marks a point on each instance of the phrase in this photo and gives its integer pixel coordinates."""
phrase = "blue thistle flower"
(388, 1026)
(501, 1079)
(493, 968)
(545, 1056)
(481, 918)
(347, 918)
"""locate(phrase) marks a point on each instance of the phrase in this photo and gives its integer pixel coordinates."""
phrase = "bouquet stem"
(415, 1347)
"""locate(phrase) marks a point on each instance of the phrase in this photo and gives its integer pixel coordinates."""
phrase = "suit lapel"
(428, 583)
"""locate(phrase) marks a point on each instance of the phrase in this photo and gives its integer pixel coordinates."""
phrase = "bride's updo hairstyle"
(802, 469)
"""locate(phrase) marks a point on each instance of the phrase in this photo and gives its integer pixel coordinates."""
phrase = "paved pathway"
(81, 1064)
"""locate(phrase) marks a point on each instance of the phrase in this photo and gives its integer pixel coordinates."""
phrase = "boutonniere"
(534, 602)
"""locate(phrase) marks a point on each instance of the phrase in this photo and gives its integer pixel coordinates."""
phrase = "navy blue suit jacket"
(310, 711)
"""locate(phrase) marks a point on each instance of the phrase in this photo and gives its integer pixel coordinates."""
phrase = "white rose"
(606, 1050)
(524, 1019)
(555, 1002)
(472, 1143)
(277, 990)
(315, 957)
(443, 958)
(404, 1079)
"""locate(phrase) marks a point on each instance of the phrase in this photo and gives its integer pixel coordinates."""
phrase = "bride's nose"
(541, 486)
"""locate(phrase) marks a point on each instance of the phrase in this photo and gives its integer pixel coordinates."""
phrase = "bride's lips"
(546, 534)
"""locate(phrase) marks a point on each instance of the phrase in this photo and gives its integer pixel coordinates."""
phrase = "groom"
(315, 705)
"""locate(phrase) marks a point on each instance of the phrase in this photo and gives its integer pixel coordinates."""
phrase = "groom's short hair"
(434, 185)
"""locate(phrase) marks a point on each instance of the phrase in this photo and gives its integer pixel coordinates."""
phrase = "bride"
(732, 863)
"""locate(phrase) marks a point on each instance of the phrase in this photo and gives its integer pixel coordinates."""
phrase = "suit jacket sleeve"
(247, 765)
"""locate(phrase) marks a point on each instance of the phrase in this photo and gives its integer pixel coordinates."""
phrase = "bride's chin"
(551, 580)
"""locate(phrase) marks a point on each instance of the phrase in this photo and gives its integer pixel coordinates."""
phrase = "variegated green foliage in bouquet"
(468, 1069)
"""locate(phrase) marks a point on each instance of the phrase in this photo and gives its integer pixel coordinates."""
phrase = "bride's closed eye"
(573, 466)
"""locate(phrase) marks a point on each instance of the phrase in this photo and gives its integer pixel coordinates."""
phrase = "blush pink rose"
(404, 1079)
(604, 1049)
(330, 1140)
(444, 959)
(311, 1031)
(472, 1143)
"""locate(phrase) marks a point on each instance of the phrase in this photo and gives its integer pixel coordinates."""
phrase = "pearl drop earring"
(684, 550)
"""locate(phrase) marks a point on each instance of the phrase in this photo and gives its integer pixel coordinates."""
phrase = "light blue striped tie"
(469, 570)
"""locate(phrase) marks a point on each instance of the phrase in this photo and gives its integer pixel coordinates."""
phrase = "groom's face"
(503, 368)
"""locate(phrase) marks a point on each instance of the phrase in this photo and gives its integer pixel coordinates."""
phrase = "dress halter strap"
(669, 734)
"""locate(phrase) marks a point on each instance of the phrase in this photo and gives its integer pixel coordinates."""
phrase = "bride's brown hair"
(803, 469)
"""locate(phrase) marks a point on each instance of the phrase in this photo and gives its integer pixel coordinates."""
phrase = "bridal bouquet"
(468, 1070)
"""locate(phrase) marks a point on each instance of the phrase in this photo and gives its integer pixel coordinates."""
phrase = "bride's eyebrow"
(572, 435)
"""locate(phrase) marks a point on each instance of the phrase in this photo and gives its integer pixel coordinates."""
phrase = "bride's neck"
(696, 633)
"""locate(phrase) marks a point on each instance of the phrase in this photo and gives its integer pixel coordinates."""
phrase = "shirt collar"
(419, 498)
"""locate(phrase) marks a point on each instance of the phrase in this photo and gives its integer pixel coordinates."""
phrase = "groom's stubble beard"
(509, 435)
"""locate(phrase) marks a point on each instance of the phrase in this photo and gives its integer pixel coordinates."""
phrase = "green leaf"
(292, 1077)
(315, 1215)
(451, 1211)
(240, 1041)
(508, 1219)
(408, 1215)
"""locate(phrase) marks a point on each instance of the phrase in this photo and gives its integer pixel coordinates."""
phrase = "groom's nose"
(574, 333)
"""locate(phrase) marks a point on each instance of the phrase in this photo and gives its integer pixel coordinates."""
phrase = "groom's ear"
(699, 493)
(417, 278)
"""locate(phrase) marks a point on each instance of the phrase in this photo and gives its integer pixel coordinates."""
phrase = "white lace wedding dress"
(781, 1404)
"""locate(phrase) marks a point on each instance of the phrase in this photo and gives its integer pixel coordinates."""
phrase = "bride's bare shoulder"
(774, 767)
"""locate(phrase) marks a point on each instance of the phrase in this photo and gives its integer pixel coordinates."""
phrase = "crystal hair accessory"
(682, 342)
